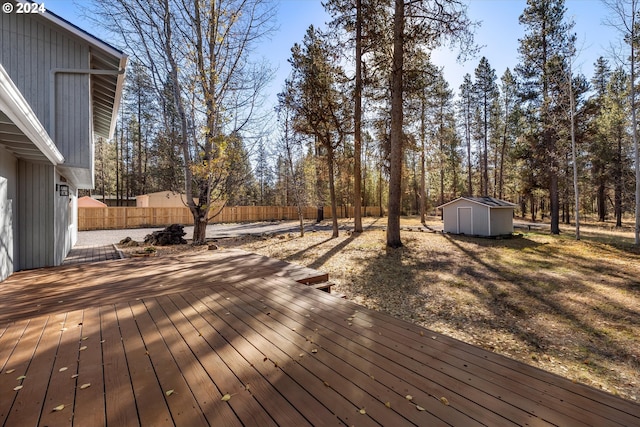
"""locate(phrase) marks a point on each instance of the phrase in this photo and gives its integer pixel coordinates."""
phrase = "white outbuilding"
(478, 216)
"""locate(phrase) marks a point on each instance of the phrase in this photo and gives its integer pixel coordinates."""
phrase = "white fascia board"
(18, 110)
(118, 97)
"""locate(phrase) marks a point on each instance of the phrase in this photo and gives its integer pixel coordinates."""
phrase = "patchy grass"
(569, 307)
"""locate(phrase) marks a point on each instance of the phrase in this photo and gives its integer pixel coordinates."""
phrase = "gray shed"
(478, 216)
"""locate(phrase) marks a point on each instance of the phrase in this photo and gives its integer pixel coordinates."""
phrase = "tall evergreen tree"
(542, 67)
(486, 92)
(319, 102)
(465, 105)
(510, 110)
(427, 22)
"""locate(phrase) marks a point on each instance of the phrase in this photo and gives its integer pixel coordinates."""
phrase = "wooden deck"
(158, 342)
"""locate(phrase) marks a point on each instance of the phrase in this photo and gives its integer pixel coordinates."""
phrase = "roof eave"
(512, 206)
(18, 110)
(118, 98)
(89, 38)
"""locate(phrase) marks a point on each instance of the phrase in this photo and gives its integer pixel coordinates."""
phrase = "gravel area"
(214, 231)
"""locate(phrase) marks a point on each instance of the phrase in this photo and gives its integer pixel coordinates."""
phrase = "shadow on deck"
(231, 338)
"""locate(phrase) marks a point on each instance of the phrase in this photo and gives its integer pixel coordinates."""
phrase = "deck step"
(323, 286)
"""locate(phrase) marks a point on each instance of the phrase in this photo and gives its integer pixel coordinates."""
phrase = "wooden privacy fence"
(131, 217)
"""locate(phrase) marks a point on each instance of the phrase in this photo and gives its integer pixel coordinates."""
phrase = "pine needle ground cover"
(569, 307)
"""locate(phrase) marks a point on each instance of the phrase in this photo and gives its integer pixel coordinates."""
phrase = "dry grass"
(568, 307)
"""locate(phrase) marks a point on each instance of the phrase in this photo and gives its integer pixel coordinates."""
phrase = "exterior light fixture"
(64, 190)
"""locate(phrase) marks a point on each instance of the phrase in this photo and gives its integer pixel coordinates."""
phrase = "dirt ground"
(566, 306)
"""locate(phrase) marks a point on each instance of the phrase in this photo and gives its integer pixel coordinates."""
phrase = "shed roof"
(90, 202)
(490, 202)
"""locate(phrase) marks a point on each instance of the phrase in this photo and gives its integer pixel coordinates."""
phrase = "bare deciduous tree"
(202, 47)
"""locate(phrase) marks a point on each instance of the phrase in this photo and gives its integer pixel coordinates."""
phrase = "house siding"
(8, 245)
(29, 50)
(35, 215)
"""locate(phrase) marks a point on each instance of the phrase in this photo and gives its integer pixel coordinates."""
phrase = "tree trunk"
(200, 226)
(618, 185)
(576, 190)
(395, 178)
(357, 138)
(332, 192)
(601, 198)
(469, 166)
(554, 203)
(423, 192)
(485, 158)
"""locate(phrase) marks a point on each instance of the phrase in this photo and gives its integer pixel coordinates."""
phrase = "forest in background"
(535, 135)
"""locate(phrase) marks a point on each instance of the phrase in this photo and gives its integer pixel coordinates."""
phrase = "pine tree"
(430, 23)
(486, 93)
(465, 105)
(542, 69)
(318, 101)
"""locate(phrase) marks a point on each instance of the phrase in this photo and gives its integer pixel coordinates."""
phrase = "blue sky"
(500, 31)
(499, 34)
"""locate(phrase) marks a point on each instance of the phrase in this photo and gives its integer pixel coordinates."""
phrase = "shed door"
(465, 223)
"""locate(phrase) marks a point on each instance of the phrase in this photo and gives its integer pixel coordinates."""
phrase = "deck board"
(528, 386)
(149, 397)
(89, 406)
(349, 344)
(238, 323)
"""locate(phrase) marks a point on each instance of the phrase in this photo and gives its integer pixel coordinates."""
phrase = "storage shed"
(90, 202)
(478, 216)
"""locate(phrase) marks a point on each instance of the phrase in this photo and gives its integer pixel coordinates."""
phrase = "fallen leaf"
(326, 384)
(408, 397)
(83, 386)
(226, 397)
(301, 355)
(388, 404)
(444, 401)
(58, 408)
(64, 368)
(102, 341)
(421, 333)
(21, 377)
(83, 348)
(169, 392)
(315, 350)
(74, 376)
(420, 408)
(10, 371)
(265, 359)
(16, 388)
(85, 338)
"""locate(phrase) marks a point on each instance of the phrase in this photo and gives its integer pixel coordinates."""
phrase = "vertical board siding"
(29, 50)
(133, 217)
(35, 215)
(8, 244)
(501, 221)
